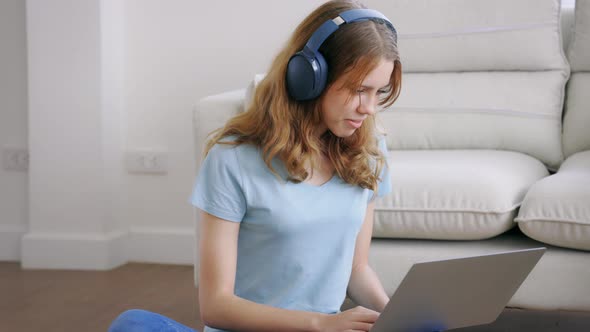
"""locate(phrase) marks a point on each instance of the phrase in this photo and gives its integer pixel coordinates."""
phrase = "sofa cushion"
(476, 35)
(557, 209)
(558, 282)
(479, 74)
(516, 111)
(454, 194)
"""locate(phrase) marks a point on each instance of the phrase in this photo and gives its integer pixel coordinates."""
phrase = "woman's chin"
(343, 133)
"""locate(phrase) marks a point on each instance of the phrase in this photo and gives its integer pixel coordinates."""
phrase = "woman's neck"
(322, 170)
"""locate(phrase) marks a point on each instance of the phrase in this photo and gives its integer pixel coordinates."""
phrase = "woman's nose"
(367, 103)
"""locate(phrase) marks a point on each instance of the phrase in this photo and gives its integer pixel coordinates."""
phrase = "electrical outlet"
(15, 159)
(147, 161)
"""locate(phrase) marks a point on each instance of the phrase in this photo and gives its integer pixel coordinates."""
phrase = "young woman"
(286, 190)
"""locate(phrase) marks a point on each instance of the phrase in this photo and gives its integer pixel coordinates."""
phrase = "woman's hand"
(355, 319)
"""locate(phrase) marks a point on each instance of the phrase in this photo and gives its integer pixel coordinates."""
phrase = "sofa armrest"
(211, 113)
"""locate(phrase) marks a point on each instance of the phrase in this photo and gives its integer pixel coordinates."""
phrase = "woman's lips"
(354, 123)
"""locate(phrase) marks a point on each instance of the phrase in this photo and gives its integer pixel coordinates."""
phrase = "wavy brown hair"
(287, 129)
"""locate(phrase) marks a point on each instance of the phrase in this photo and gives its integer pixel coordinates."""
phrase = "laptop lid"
(454, 293)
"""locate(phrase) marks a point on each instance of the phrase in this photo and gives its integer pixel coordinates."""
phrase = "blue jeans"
(136, 320)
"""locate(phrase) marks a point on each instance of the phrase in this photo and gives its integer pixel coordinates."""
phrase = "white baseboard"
(99, 251)
(74, 251)
(162, 245)
(10, 242)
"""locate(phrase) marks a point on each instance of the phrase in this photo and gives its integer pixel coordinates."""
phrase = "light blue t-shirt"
(296, 241)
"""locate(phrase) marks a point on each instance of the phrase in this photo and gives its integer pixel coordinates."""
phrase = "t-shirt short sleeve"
(384, 187)
(218, 189)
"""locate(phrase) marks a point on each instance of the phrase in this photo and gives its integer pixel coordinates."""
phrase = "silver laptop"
(454, 293)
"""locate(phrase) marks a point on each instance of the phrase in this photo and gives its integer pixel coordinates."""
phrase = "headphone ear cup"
(306, 76)
(300, 77)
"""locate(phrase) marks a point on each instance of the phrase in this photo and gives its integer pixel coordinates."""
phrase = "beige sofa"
(475, 138)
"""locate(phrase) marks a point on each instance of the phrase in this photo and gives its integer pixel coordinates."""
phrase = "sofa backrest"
(478, 74)
(576, 122)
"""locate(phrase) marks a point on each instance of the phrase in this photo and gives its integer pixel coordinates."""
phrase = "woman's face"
(343, 111)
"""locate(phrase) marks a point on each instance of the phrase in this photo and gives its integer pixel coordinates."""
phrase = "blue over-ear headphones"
(307, 71)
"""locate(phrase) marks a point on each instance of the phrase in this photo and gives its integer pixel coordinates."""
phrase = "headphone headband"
(353, 15)
(307, 71)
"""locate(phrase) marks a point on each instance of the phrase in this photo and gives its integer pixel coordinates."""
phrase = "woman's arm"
(220, 308)
(364, 286)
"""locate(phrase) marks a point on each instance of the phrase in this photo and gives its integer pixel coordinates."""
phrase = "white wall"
(13, 125)
(107, 76)
(176, 53)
